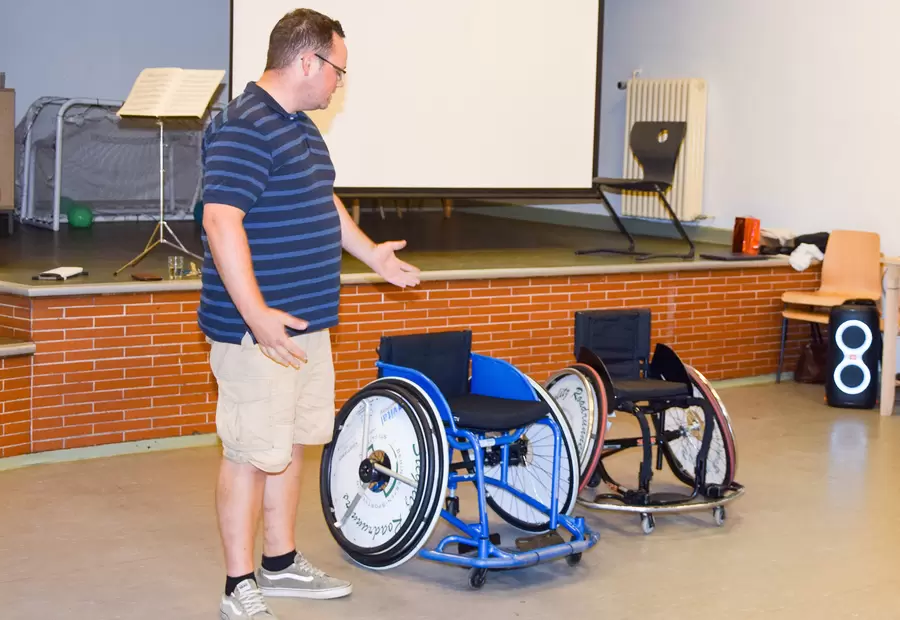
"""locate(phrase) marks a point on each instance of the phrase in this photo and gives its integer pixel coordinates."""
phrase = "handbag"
(812, 366)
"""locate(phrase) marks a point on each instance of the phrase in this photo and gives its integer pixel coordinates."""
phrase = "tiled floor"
(816, 536)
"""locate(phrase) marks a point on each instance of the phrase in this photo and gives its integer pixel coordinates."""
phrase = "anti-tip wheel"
(719, 515)
(648, 524)
(574, 559)
(477, 577)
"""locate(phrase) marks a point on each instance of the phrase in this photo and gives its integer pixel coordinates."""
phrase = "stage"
(105, 359)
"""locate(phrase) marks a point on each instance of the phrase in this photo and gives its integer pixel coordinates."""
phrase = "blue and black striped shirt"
(276, 168)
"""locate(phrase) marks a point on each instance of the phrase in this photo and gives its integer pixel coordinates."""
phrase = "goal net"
(109, 164)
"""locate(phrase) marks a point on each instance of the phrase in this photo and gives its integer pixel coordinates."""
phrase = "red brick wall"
(127, 367)
(119, 368)
(15, 405)
(15, 317)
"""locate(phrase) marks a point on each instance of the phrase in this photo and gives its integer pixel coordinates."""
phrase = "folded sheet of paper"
(172, 92)
(60, 273)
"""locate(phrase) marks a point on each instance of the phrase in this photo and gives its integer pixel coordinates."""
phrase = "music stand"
(161, 94)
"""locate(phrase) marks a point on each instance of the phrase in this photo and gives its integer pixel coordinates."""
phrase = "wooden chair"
(851, 269)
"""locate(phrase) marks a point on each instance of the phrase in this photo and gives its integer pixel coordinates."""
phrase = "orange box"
(745, 236)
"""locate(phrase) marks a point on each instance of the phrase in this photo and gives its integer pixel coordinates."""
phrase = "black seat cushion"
(648, 389)
(486, 413)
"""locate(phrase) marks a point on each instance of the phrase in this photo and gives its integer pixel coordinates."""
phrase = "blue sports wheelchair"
(388, 474)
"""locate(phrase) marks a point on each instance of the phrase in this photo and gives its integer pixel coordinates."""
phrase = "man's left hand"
(386, 264)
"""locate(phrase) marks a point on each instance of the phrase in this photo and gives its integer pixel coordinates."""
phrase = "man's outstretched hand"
(267, 325)
(386, 264)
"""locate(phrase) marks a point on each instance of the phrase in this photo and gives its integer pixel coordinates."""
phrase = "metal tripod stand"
(162, 226)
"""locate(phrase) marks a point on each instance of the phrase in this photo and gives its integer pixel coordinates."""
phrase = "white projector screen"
(472, 95)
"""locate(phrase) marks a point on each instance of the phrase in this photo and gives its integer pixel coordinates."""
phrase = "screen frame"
(495, 193)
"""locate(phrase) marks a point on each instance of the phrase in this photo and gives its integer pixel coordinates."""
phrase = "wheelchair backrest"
(443, 357)
(620, 338)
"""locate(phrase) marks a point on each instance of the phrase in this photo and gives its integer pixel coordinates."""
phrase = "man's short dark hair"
(301, 30)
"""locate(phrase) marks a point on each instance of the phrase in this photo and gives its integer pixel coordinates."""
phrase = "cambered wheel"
(681, 453)
(532, 475)
(579, 392)
(383, 477)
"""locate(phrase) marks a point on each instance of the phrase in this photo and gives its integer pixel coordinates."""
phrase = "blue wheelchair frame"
(499, 379)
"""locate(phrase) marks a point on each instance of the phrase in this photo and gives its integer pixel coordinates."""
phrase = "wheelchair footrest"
(530, 543)
(463, 548)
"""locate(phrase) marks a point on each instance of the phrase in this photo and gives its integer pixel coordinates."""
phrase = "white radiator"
(668, 100)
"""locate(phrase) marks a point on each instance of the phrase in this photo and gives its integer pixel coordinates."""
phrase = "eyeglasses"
(340, 72)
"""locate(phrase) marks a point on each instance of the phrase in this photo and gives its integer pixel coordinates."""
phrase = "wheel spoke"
(395, 475)
(352, 507)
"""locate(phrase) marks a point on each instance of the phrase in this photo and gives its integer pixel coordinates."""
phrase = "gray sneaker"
(301, 580)
(245, 603)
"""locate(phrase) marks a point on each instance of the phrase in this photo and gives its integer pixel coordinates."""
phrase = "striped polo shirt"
(275, 167)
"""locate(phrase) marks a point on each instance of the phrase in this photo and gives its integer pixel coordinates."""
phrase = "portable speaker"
(854, 351)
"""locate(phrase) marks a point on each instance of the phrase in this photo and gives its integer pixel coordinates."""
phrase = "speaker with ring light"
(854, 352)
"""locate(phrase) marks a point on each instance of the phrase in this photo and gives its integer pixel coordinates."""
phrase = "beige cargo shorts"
(265, 408)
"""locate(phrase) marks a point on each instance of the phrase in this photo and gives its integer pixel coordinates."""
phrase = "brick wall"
(15, 405)
(15, 317)
(118, 368)
(127, 367)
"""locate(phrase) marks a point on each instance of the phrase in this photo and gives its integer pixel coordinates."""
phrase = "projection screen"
(471, 97)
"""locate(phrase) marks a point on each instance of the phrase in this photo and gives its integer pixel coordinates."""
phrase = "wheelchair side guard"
(426, 384)
(665, 364)
(499, 379)
(709, 393)
(589, 358)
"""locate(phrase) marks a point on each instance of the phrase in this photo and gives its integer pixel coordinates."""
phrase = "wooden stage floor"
(463, 242)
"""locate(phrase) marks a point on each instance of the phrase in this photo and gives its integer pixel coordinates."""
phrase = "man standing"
(273, 234)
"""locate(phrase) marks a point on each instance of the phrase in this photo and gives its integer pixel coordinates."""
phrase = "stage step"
(11, 347)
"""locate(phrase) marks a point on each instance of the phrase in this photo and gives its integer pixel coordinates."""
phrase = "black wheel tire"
(477, 577)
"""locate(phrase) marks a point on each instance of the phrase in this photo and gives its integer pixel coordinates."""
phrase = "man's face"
(330, 74)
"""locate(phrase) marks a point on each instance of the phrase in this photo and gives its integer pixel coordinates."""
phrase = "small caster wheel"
(647, 523)
(574, 559)
(477, 577)
(719, 515)
(453, 505)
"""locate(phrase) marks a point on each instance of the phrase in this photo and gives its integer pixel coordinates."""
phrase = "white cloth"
(803, 255)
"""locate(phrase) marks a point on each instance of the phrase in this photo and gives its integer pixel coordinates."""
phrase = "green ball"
(80, 215)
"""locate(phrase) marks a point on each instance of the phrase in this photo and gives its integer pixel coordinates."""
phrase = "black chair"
(656, 146)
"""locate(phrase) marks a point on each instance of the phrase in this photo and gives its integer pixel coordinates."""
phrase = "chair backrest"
(852, 264)
(656, 146)
(620, 338)
(443, 357)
